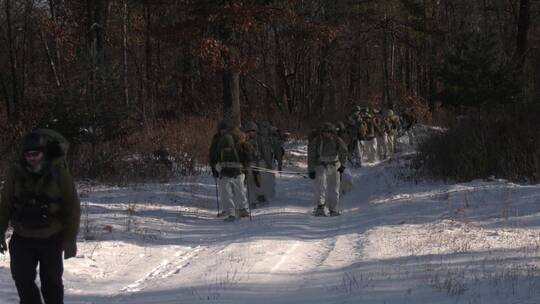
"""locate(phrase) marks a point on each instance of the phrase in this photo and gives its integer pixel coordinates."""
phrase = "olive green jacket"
(56, 183)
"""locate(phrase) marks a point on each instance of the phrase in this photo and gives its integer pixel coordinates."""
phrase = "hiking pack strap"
(327, 159)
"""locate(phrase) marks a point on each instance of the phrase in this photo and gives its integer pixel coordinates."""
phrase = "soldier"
(267, 149)
(222, 128)
(40, 202)
(347, 134)
(408, 120)
(256, 195)
(379, 124)
(343, 132)
(230, 156)
(393, 127)
(327, 155)
(279, 139)
(359, 128)
(370, 142)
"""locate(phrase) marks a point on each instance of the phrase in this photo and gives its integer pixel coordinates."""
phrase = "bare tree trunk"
(57, 44)
(386, 85)
(231, 97)
(148, 63)
(26, 33)
(536, 76)
(124, 51)
(368, 75)
(409, 71)
(522, 31)
(280, 76)
(6, 97)
(322, 83)
(12, 64)
(187, 81)
(52, 65)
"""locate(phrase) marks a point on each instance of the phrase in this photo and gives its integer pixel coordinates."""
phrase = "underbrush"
(500, 143)
(138, 153)
(161, 152)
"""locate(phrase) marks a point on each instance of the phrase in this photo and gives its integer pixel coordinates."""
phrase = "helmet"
(223, 125)
(251, 126)
(264, 128)
(34, 142)
(265, 124)
(328, 127)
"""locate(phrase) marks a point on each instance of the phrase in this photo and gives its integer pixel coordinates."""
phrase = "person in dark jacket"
(40, 202)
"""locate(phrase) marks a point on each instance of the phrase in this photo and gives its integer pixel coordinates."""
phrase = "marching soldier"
(267, 149)
(393, 126)
(379, 124)
(327, 155)
(256, 194)
(230, 156)
(370, 142)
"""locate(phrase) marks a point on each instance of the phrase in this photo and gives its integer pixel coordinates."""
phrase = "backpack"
(228, 154)
(362, 130)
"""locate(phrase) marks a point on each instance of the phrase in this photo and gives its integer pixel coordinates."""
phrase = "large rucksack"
(228, 156)
(362, 130)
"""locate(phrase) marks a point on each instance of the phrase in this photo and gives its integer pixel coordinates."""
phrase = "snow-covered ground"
(398, 241)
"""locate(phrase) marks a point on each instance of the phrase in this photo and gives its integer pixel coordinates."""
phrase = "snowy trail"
(397, 241)
(166, 269)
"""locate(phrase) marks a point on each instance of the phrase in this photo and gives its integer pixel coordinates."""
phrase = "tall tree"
(523, 25)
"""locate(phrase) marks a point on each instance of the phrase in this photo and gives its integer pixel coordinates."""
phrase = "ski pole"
(262, 169)
(248, 196)
(247, 188)
(217, 196)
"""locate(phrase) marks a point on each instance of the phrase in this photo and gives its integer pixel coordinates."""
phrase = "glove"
(215, 173)
(3, 246)
(341, 169)
(312, 175)
(70, 249)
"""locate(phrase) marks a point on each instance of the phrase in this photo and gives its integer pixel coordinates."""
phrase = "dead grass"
(160, 152)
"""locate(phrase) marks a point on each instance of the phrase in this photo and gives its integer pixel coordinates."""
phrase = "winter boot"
(334, 213)
(319, 211)
(261, 199)
(230, 218)
(243, 212)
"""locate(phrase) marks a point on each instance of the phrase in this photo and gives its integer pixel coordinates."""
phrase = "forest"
(119, 77)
